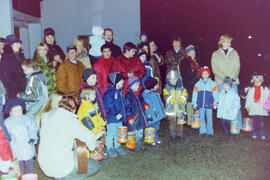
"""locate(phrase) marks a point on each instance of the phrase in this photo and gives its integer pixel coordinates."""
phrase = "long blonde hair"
(224, 38)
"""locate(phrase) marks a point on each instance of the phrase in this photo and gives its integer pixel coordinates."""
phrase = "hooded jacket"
(36, 93)
(55, 50)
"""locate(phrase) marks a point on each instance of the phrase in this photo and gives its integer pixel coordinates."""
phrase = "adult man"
(108, 37)
(69, 73)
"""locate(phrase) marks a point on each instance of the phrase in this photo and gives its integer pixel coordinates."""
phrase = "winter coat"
(155, 66)
(116, 50)
(148, 73)
(257, 108)
(123, 65)
(91, 111)
(11, 74)
(55, 50)
(46, 66)
(228, 105)
(225, 65)
(267, 104)
(173, 59)
(156, 112)
(96, 42)
(134, 105)
(21, 131)
(171, 94)
(69, 77)
(103, 68)
(57, 134)
(114, 102)
(190, 77)
(35, 94)
(205, 94)
(86, 59)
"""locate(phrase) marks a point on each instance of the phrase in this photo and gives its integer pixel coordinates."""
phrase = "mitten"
(119, 116)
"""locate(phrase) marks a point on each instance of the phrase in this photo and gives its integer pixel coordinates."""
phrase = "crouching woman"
(59, 129)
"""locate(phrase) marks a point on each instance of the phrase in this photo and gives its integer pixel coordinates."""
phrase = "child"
(114, 99)
(23, 132)
(45, 65)
(136, 120)
(36, 92)
(2, 96)
(90, 79)
(156, 111)
(229, 105)
(96, 41)
(257, 96)
(204, 98)
(88, 112)
(149, 70)
(175, 96)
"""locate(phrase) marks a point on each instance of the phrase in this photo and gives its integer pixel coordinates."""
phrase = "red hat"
(205, 68)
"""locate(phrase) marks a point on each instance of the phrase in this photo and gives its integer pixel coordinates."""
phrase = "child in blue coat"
(155, 112)
(204, 98)
(149, 70)
(113, 100)
(134, 104)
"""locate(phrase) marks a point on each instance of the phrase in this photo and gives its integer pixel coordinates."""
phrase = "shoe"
(254, 137)
(120, 151)
(173, 137)
(158, 142)
(263, 137)
(111, 152)
(180, 136)
(153, 144)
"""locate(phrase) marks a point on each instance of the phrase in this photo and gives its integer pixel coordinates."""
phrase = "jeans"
(258, 125)
(156, 126)
(226, 124)
(206, 126)
(111, 135)
(28, 165)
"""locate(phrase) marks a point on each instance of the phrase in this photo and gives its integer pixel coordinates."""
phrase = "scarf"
(257, 93)
(193, 63)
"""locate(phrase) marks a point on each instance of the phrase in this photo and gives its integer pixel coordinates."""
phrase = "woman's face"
(192, 54)
(49, 39)
(42, 51)
(16, 47)
(145, 49)
(176, 44)
(79, 47)
(226, 44)
(152, 46)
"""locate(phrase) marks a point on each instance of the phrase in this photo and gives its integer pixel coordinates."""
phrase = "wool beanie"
(88, 72)
(190, 48)
(115, 77)
(14, 102)
(150, 83)
(71, 47)
(228, 81)
(48, 31)
(132, 80)
(10, 39)
(205, 68)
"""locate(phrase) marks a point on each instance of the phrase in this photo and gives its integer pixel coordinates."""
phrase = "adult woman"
(225, 62)
(55, 155)
(11, 72)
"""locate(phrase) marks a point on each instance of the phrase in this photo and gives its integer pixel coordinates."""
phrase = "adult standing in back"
(108, 37)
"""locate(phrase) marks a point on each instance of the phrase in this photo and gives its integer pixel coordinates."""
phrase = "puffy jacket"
(156, 110)
(149, 73)
(49, 71)
(69, 77)
(36, 93)
(205, 94)
(103, 68)
(114, 102)
(228, 105)
(90, 112)
(257, 108)
(134, 105)
(267, 103)
(21, 130)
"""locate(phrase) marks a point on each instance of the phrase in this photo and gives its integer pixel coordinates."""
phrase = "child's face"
(92, 80)
(226, 87)
(173, 81)
(258, 82)
(143, 38)
(16, 111)
(91, 97)
(143, 58)
(27, 70)
(120, 84)
(131, 53)
(135, 87)
(205, 75)
(107, 53)
(42, 51)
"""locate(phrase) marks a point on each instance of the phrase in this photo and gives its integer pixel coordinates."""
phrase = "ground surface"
(194, 158)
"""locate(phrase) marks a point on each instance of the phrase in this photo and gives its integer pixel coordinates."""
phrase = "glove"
(31, 141)
(119, 116)
(88, 123)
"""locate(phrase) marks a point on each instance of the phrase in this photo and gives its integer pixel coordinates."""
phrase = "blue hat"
(71, 47)
(14, 102)
(88, 72)
(10, 39)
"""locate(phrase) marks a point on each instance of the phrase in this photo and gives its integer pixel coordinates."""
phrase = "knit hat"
(205, 68)
(150, 83)
(10, 39)
(132, 80)
(115, 77)
(14, 102)
(48, 31)
(228, 81)
(190, 48)
(71, 47)
(2, 40)
(88, 72)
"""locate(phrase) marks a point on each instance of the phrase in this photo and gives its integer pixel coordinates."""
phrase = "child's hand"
(248, 109)
(119, 116)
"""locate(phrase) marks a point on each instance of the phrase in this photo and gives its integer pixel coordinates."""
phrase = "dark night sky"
(201, 22)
